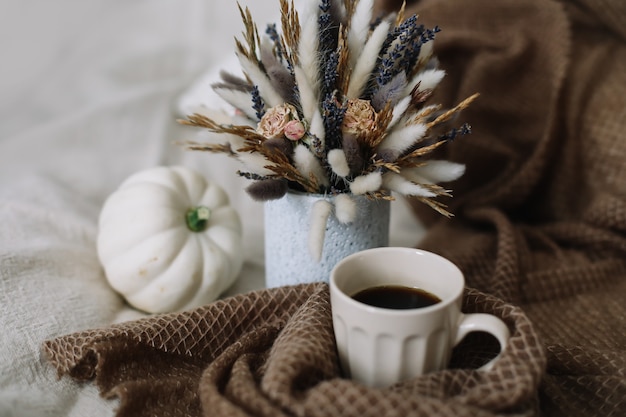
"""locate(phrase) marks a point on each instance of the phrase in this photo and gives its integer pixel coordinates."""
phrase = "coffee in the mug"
(396, 297)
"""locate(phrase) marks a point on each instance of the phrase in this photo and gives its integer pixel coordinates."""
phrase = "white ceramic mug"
(381, 346)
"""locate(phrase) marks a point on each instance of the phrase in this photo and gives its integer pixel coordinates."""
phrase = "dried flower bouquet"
(337, 105)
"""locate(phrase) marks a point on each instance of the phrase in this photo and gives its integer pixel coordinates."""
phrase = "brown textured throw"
(272, 353)
(539, 230)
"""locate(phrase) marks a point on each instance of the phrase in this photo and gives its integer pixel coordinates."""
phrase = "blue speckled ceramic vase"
(288, 260)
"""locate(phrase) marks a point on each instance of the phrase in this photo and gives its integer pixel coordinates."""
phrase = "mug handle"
(477, 322)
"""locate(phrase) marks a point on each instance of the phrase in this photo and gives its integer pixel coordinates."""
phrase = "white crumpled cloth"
(89, 94)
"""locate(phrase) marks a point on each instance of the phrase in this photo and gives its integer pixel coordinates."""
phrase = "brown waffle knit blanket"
(272, 353)
(540, 225)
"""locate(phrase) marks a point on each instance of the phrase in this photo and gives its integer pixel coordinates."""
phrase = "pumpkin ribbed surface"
(149, 253)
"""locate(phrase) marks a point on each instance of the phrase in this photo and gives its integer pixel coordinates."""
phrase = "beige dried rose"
(273, 122)
(360, 117)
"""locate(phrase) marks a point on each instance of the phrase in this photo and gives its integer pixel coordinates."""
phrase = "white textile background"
(89, 94)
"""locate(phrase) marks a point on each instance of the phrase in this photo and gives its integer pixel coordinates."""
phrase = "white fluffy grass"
(338, 162)
(435, 171)
(308, 164)
(261, 80)
(319, 217)
(401, 139)
(366, 183)
(367, 60)
(345, 208)
(399, 184)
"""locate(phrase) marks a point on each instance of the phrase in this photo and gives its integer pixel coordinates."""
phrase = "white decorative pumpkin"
(169, 240)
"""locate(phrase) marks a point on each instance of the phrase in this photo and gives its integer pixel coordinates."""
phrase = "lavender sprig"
(324, 21)
(272, 33)
(393, 52)
(251, 176)
(257, 102)
(330, 74)
(396, 32)
(415, 48)
(333, 112)
(327, 40)
(454, 133)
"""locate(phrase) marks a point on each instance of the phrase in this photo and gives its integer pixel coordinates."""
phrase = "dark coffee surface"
(396, 297)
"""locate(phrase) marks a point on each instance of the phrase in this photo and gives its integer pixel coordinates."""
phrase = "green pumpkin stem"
(197, 218)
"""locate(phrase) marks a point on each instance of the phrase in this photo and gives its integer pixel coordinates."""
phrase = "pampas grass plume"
(308, 164)
(352, 151)
(255, 163)
(427, 80)
(403, 138)
(317, 125)
(308, 45)
(261, 80)
(345, 208)
(338, 162)
(426, 54)
(308, 98)
(401, 185)
(435, 171)
(238, 99)
(399, 110)
(264, 190)
(366, 183)
(282, 80)
(359, 28)
(367, 60)
(319, 217)
(392, 92)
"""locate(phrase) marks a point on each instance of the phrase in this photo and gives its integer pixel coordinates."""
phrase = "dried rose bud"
(294, 130)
